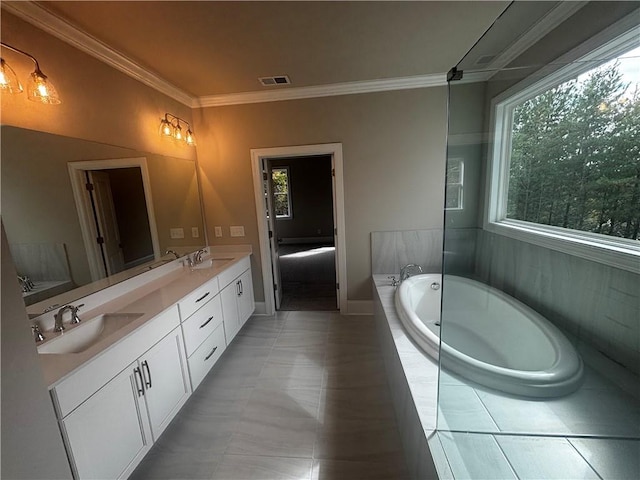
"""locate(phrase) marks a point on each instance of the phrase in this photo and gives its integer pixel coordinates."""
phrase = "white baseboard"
(359, 307)
(261, 308)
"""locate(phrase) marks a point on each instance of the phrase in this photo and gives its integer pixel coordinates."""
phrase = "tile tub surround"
(596, 303)
(599, 409)
(390, 251)
(413, 380)
(298, 395)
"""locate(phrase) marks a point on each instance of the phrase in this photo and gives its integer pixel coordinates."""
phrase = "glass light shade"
(40, 89)
(166, 129)
(8, 80)
(190, 138)
(177, 132)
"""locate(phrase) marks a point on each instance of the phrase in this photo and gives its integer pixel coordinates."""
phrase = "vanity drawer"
(234, 271)
(206, 356)
(201, 324)
(199, 297)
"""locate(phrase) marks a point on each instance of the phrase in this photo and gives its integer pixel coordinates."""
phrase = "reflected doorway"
(116, 215)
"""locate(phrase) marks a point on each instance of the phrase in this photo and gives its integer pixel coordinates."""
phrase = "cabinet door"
(167, 387)
(229, 296)
(109, 433)
(246, 303)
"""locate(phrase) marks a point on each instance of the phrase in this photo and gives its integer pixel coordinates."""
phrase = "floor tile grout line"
(583, 457)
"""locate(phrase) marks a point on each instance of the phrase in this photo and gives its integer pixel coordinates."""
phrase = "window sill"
(618, 253)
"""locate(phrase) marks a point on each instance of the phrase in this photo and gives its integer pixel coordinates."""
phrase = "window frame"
(613, 251)
(289, 204)
(460, 205)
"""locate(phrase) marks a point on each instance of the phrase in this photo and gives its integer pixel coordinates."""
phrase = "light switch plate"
(194, 232)
(176, 232)
(218, 231)
(237, 231)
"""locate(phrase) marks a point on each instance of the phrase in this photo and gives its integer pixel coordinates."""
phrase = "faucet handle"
(37, 334)
(74, 313)
(394, 281)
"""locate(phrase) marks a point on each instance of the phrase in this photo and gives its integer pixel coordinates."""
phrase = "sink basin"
(211, 263)
(80, 337)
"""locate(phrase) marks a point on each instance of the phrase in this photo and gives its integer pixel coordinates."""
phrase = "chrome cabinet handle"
(205, 323)
(137, 373)
(241, 288)
(212, 352)
(147, 383)
(203, 297)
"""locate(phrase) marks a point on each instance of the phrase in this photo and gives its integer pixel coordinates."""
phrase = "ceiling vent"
(277, 80)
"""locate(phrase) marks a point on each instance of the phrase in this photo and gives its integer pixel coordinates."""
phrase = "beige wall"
(99, 103)
(393, 148)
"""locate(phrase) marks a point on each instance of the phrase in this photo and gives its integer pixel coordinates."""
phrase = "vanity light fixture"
(39, 87)
(170, 127)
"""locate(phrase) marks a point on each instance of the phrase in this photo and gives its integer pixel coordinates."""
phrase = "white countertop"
(150, 299)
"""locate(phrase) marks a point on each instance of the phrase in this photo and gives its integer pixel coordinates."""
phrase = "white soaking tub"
(489, 337)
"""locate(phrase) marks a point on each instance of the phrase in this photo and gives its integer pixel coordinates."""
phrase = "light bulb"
(190, 138)
(40, 89)
(177, 132)
(8, 80)
(166, 130)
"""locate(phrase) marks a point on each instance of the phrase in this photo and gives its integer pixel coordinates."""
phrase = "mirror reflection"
(78, 212)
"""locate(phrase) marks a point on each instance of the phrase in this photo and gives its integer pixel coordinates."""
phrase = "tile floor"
(300, 395)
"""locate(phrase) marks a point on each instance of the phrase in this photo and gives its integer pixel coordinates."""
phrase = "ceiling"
(215, 48)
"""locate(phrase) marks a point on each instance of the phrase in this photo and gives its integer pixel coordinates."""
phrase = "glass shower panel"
(540, 322)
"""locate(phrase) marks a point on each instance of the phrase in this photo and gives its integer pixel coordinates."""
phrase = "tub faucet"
(171, 251)
(409, 270)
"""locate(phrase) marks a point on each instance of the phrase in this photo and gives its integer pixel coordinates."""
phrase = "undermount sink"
(211, 263)
(80, 337)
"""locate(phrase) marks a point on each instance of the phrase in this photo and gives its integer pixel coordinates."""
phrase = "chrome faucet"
(37, 334)
(409, 270)
(197, 257)
(59, 326)
(171, 251)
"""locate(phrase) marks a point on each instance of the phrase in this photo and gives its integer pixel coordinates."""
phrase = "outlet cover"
(218, 231)
(237, 231)
(176, 232)
(194, 232)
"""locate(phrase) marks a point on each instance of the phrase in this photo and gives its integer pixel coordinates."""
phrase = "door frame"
(335, 151)
(85, 212)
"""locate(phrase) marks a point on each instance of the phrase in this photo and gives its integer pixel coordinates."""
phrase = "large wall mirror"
(64, 234)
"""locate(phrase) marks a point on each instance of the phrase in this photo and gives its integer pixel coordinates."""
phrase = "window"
(565, 169)
(455, 180)
(281, 192)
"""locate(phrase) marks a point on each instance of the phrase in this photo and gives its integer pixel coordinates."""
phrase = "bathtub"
(489, 337)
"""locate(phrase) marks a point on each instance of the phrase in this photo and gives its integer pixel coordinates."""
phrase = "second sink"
(84, 335)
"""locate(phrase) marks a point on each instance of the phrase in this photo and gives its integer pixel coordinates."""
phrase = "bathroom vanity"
(120, 376)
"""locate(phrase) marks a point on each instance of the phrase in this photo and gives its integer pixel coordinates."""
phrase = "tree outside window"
(281, 192)
(575, 153)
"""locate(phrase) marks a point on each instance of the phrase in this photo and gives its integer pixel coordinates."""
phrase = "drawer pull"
(212, 352)
(147, 383)
(203, 297)
(138, 373)
(205, 323)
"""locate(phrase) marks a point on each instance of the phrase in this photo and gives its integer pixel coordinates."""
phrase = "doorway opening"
(300, 203)
(113, 198)
(302, 206)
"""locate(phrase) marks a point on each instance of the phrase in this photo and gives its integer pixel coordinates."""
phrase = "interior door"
(273, 237)
(107, 221)
(335, 230)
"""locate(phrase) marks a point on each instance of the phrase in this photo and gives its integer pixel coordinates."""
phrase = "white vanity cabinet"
(237, 297)
(203, 330)
(108, 433)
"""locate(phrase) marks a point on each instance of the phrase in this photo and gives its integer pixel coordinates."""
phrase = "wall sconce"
(39, 87)
(170, 127)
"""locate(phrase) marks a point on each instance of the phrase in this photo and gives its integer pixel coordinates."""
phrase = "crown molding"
(44, 19)
(539, 30)
(335, 89)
